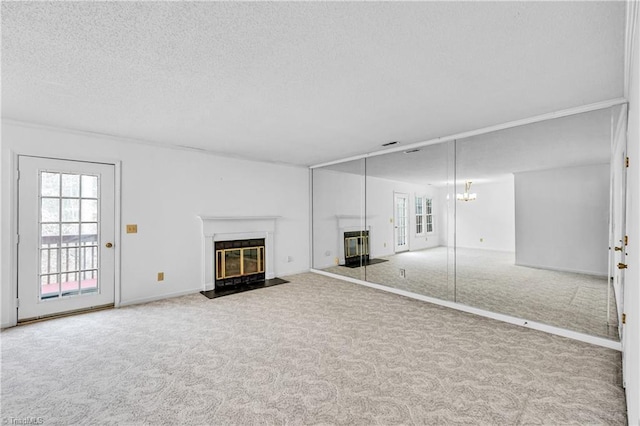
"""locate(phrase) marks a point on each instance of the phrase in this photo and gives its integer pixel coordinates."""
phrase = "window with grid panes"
(419, 215)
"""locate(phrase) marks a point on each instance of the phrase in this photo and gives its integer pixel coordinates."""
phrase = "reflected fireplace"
(239, 262)
(356, 248)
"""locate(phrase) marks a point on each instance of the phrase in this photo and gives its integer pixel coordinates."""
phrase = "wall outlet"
(337, 261)
(403, 273)
(132, 229)
(160, 276)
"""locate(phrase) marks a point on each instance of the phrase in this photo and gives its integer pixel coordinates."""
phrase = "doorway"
(66, 231)
(401, 222)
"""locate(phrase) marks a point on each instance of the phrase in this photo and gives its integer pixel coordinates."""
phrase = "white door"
(618, 212)
(66, 227)
(401, 222)
(618, 240)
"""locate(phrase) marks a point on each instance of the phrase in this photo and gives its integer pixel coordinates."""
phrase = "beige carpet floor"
(316, 351)
(490, 280)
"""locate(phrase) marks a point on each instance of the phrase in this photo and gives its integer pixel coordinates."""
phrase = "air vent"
(390, 143)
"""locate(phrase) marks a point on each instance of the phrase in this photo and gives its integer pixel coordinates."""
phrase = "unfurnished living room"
(356, 213)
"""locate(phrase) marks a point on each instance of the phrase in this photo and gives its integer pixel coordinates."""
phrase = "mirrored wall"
(517, 222)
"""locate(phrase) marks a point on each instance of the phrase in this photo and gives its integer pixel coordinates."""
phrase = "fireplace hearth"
(239, 262)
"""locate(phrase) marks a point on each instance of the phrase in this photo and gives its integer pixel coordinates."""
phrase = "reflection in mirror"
(534, 242)
(527, 222)
(340, 232)
(409, 209)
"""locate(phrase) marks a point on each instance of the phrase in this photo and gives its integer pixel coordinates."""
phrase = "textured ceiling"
(578, 140)
(303, 82)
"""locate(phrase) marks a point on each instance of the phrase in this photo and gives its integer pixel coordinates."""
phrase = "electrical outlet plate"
(160, 276)
(132, 229)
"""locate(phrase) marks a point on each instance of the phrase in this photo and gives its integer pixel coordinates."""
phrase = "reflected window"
(419, 215)
(428, 217)
(424, 215)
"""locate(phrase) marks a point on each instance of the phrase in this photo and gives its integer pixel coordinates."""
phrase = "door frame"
(619, 140)
(13, 294)
(407, 222)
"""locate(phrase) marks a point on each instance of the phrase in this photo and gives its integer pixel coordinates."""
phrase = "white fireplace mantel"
(228, 228)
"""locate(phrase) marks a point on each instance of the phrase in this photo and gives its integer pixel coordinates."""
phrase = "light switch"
(132, 229)
(160, 276)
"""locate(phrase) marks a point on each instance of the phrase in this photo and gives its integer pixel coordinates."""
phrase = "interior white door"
(618, 243)
(401, 222)
(66, 227)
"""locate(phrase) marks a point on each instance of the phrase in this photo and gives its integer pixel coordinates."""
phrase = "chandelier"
(466, 196)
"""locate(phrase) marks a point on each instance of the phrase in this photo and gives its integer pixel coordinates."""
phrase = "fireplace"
(239, 262)
(356, 248)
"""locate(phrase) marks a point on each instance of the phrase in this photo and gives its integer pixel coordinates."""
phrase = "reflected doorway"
(401, 222)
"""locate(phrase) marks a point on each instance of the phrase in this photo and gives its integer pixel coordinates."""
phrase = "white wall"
(334, 194)
(163, 191)
(562, 219)
(342, 194)
(490, 218)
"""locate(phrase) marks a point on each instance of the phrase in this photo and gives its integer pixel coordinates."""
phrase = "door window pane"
(50, 184)
(89, 233)
(70, 185)
(89, 211)
(70, 210)
(49, 261)
(50, 211)
(89, 186)
(69, 259)
(50, 235)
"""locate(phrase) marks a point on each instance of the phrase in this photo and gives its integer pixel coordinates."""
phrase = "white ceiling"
(303, 82)
(578, 140)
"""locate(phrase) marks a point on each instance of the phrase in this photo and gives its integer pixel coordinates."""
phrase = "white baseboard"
(573, 271)
(288, 274)
(6, 325)
(159, 297)
(599, 341)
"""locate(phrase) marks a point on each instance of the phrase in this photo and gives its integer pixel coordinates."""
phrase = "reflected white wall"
(562, 217)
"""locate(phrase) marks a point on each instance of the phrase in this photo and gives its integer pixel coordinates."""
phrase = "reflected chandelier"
(466, 196)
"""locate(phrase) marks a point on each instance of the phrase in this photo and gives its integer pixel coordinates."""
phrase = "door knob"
(622, 266)
(108, 245)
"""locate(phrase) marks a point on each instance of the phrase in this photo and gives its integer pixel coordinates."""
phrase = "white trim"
(154, 144)
(629, 39)
(228, 228)
(599, 341)
(160, 297)
(508, 125)
(117, 205)
(291, 273)
(547, 268)
(238, 218)
(13, 320)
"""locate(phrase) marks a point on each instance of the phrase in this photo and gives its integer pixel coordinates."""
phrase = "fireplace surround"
(228, 228)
